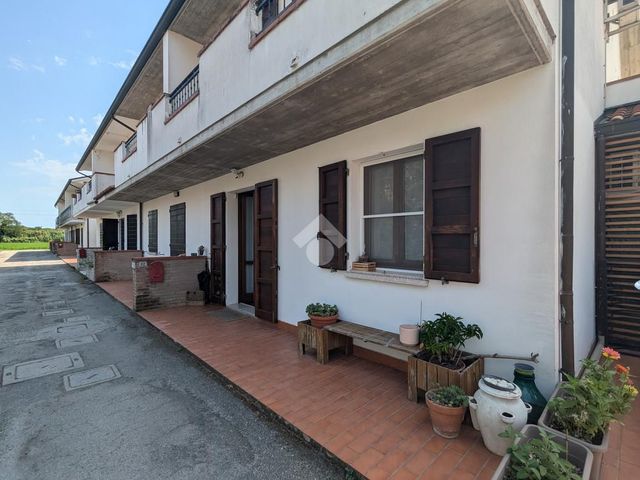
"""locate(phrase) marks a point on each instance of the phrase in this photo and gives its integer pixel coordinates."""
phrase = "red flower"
(610, 353)
(622, 369)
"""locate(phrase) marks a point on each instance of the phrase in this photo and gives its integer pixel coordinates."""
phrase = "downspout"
(566, 188)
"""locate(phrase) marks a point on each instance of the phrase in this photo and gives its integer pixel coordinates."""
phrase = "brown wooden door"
(246, 243)
(218, 248)
(266, 250)
(618, 240)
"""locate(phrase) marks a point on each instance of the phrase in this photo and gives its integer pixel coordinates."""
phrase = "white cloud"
(81, 121)
(123, 64)
(80, 137)
(55, 171)
(16, 63)
(60, 61)
(98, 118)
(71, 118)
(39, 120)
(93, 61)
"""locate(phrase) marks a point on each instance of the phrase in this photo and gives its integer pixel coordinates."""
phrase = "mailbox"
(156, 272)
(82, 253)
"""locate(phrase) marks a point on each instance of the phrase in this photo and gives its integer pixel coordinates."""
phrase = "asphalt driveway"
(90, 391)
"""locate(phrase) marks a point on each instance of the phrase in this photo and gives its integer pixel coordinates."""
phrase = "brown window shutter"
(332, 236)
(452, 207)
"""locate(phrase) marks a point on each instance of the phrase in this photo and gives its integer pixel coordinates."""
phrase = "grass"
(24, 246)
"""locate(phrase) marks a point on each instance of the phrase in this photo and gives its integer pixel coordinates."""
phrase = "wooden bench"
(341, 335)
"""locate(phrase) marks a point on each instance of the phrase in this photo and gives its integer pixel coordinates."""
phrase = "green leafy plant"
(444, 337)
(538, 459)
(451, 396)
(587, 405)
(322, 309)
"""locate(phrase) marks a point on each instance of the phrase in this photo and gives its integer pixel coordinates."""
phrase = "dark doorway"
(218, 248)
(177, 231)
(266, 250)
(122, 237)
(110, 234)
(245, 247)
(132, 232)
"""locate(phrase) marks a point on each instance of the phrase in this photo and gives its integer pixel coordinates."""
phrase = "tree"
(9, 225)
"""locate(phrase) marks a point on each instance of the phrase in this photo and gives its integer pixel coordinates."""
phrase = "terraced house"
(455, 143)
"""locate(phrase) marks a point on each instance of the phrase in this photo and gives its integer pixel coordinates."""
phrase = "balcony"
(263, 104)
(93, 190)
(131, 146)
(64, 216)
(183, 93)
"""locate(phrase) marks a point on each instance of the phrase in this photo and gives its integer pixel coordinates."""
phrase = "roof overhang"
(199, 20)
(423, 50)
(75, 183)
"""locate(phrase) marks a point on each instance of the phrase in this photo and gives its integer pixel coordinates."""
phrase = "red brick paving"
(73, 261)
(355, 409)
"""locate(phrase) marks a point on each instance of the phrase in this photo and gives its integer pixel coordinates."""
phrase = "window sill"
(416, 280)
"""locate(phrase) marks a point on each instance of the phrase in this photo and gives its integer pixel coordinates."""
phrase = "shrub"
(451, 396)
(589, 404)
(445, 336)
(538, 459)
(322, 309)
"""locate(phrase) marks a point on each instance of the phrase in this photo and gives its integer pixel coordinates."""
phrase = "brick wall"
(109, 265)
(180, 277)
(65, 249)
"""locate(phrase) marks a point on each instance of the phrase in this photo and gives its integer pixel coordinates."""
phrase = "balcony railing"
(184, 92)
(64, 216)
(131, 145)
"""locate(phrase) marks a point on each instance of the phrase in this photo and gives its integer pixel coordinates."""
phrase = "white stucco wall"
(179, 57)
(516, 300)
(102, 161)
(589, 105)
(622, 92)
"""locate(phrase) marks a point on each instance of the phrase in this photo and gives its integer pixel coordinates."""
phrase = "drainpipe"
(566, 188)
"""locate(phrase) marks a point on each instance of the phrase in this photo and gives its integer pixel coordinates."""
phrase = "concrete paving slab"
(57, 313)
(41, 367)
(88, 378)
(75, 341)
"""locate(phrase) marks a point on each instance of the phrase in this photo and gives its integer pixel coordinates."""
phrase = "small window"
(132, 232)
(270, 10)
(153, 230)
(393, 213)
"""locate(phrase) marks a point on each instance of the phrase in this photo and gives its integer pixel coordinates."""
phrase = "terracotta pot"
(319, 322)
(445, 421)
(409, 334)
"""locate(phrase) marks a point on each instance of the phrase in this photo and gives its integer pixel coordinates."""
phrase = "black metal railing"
(131, 145)
(184, 92)
(64, 216)
(270, 10)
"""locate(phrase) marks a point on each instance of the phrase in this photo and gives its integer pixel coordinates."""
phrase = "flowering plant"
(589, 404)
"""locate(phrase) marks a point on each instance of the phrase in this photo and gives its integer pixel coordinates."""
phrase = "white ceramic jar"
(409, 334)
(495, 406)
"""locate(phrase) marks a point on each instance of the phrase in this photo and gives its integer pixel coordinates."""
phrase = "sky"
(61, 65)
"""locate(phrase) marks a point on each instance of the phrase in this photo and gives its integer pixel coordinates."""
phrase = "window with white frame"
(394, 213)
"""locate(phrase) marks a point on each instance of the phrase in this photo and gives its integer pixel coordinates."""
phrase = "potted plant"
(447, 406)
(538, 454)
(322, 314)
(442, 359)
(584, 408)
